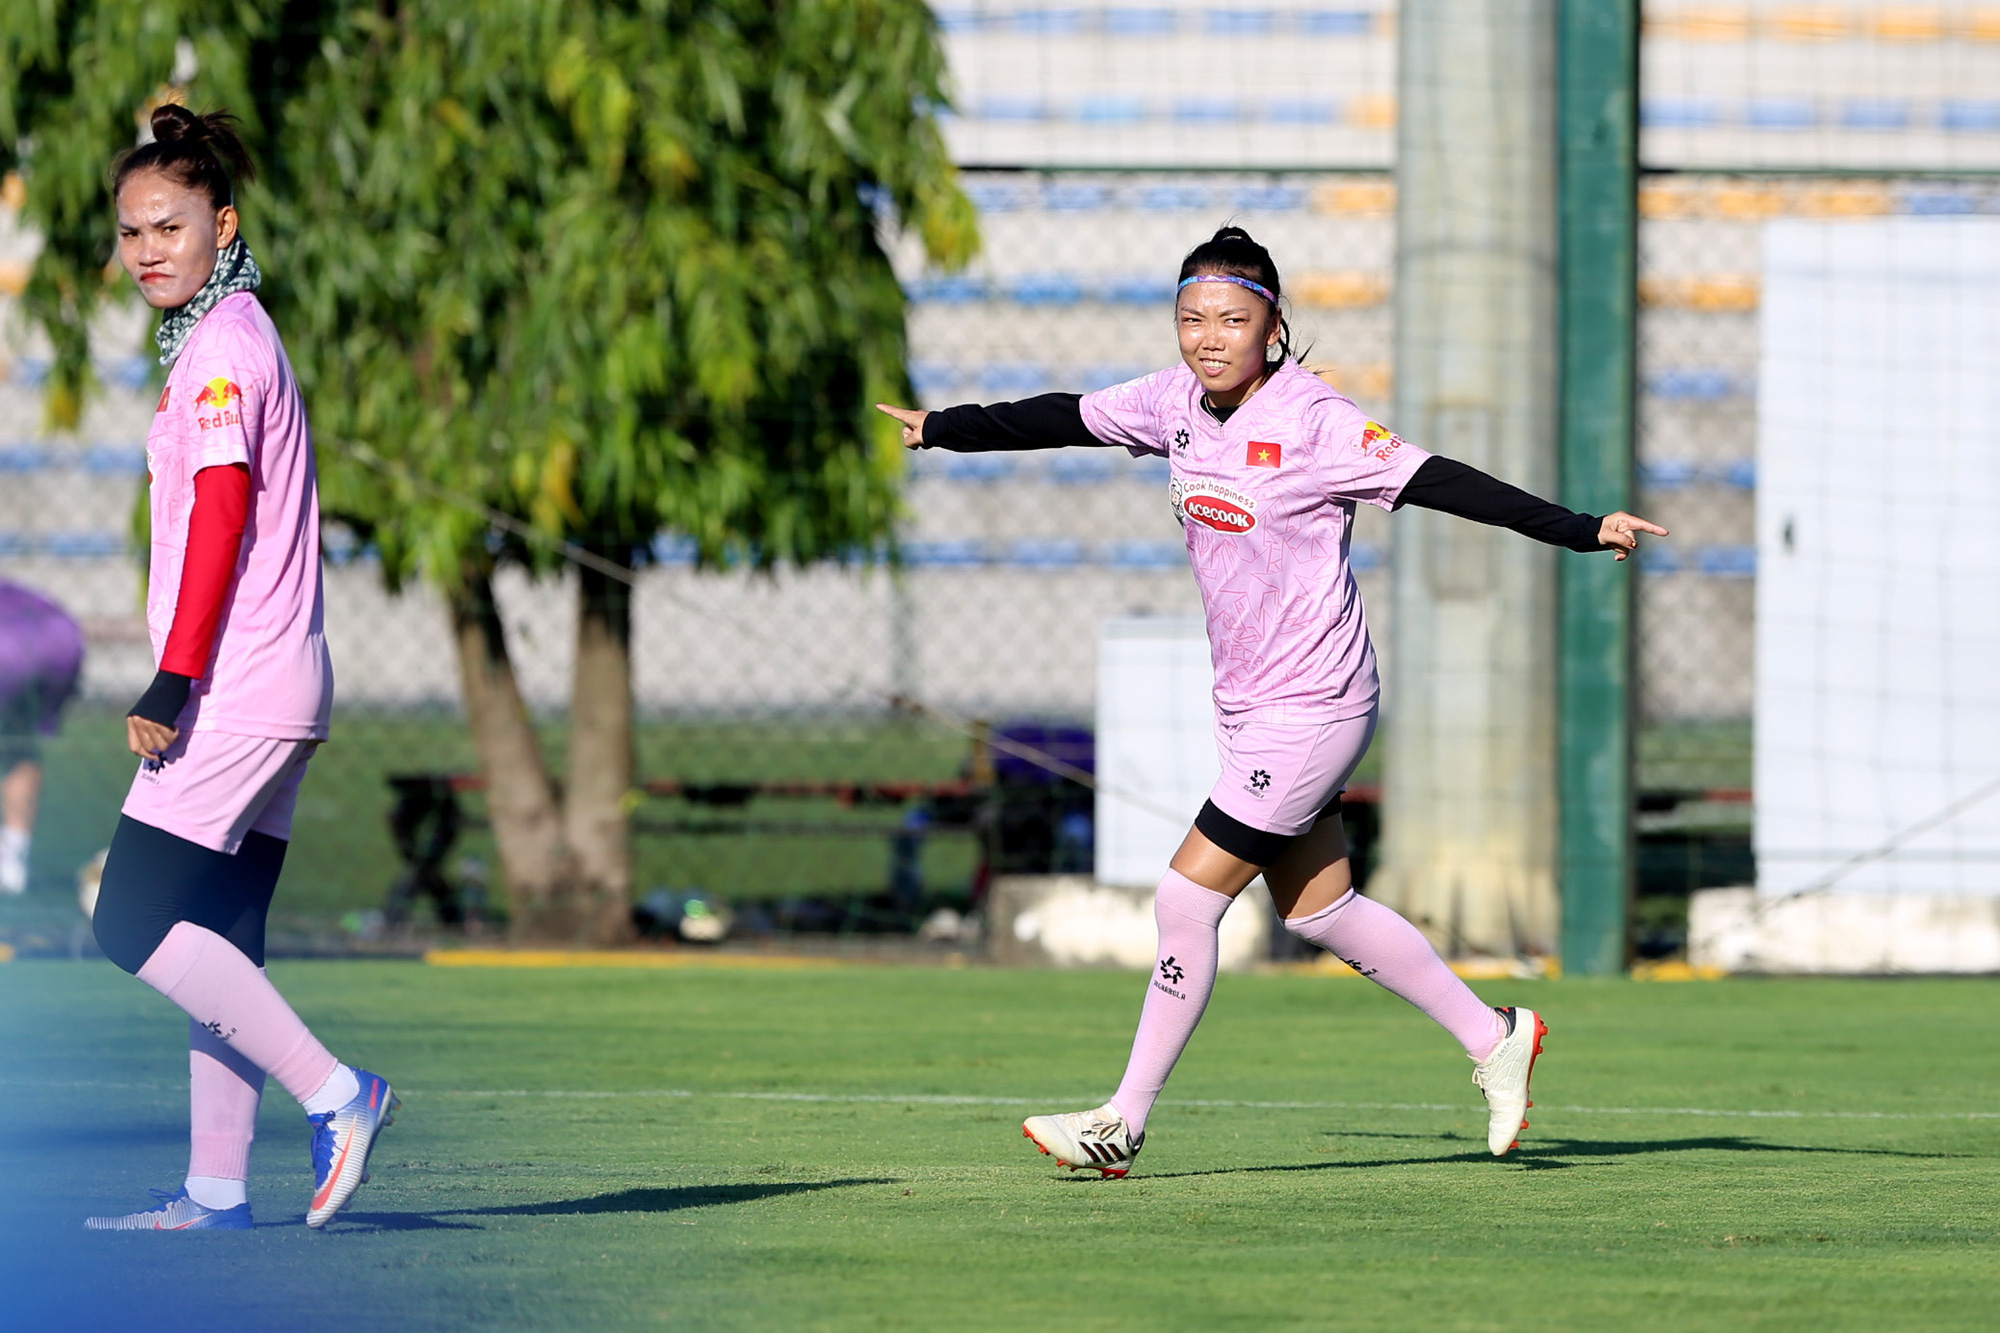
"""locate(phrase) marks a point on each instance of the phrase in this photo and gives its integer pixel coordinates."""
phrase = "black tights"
(154, 880)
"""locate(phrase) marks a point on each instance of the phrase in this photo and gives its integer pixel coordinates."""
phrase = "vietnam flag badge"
(1262, 453)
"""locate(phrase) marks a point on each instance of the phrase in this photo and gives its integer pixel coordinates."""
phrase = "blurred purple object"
(41, 656)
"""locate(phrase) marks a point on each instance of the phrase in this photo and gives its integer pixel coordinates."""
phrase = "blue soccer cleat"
(342, 1142)
(177, 1212)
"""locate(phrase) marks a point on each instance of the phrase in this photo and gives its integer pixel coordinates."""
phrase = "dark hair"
(1231, 251)
(204, 153)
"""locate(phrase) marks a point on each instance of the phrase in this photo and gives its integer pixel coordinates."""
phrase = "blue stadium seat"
(1083, 467)
(1875, 113)
(977, 469)
(127, 372)
(22, 458)
(1659, 113)
(1728, 562)
(83, 545)
(1301, 111)
(1207, 111)
(1964, 114)
(1175, 198)
(1012, 379)
(1012, 108)
(945, 554)
(1045, 289)
(1668, 474)
(17, 543)
(935, 379)
(1336, 23)
(960, 18)
(996, 196)
(116, 460)
(1271, 198)
(674, 550)
(1064, 197)
(1365, 557)
(1742, 474)
(1144, 555)
(945, 289)
(1241, 22)
(31, 371)
(1111, 109)
(1660, 558)
(1050, 22)
(1933, 202)
(1108, 374)
(1781, 113)
(1120, 21)
(1693, 384)
(1045, 553)
(1138, 289)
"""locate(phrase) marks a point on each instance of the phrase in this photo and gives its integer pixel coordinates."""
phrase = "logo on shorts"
(1260, 782)
(1213, 506)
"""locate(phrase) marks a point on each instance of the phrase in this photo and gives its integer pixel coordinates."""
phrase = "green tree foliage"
(610, 269)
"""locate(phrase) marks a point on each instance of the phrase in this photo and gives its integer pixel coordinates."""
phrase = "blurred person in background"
(243, 694)
(1267, 464)
(41, 660)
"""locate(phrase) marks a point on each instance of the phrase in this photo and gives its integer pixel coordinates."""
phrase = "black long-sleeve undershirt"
(1055, 420)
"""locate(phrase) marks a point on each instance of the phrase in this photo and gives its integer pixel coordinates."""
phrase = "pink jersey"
(231, 398)
(1267, 502)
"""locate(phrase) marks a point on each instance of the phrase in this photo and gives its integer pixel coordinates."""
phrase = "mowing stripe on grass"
(952, 1099)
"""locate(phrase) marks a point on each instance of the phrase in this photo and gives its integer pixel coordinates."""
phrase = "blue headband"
(1264, 292)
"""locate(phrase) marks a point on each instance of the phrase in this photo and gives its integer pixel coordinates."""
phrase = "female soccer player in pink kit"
(243, 693)
(1268, 463)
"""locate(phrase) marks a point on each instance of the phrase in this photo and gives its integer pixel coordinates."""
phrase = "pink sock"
(1394, 954)
(1176, 993)
(223, 991)
(223, 1092)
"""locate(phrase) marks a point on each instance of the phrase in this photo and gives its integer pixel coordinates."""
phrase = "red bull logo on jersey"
(1378, 440)
(213, 405)
(1218, 507)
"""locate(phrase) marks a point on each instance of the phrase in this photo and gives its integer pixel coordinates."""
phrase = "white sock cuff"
(340, 1088)
(217, 1192)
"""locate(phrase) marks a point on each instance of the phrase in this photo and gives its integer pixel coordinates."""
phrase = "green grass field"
(839, 1149)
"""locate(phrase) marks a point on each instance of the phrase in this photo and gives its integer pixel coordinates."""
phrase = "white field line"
(943, 1099)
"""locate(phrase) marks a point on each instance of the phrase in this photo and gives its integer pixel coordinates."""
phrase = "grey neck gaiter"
(235, 271)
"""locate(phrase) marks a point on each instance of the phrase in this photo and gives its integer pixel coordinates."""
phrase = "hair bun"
(173, 123)
(1230, 234)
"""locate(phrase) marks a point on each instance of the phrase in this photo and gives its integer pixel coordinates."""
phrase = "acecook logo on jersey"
(1213, 506)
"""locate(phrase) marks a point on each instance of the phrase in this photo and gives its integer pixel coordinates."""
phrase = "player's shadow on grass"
(672, 1199)
(1559, 1154)
(664, 1200)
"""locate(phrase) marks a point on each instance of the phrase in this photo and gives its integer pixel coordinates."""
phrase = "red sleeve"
(215, 540)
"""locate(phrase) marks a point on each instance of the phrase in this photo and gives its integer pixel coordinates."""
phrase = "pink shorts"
(1278, 777)
(212, 788)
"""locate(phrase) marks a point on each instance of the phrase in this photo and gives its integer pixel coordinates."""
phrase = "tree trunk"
(597, 811)
(521, 799)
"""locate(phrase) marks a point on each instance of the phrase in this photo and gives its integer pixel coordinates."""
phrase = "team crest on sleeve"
(1221, 508)
(1380, 441)
(219, 404)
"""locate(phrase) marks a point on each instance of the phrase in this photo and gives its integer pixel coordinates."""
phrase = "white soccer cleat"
(1096, 1140)
(1503, 1077)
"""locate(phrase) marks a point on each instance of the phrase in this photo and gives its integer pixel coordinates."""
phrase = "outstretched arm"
(1452, 487)
(1049, 421)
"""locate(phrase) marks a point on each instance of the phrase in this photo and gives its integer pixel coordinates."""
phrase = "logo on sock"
(1172, 970)
(214, 1029)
